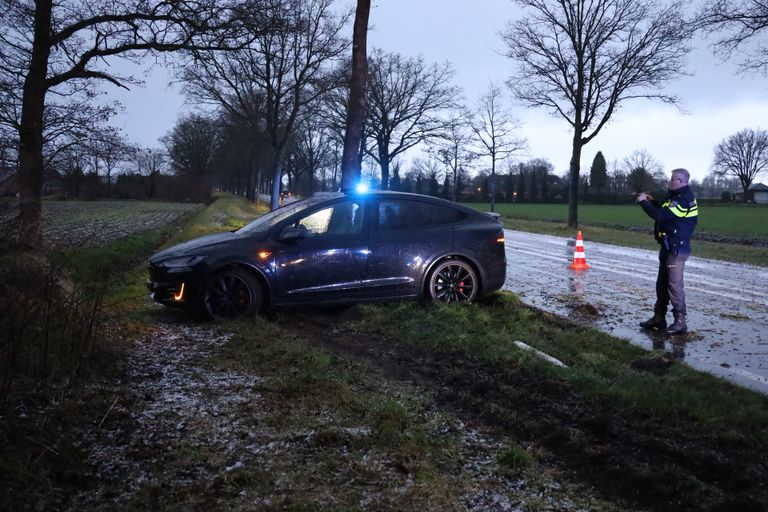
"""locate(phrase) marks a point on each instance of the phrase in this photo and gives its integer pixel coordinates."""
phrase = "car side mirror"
(293, 233)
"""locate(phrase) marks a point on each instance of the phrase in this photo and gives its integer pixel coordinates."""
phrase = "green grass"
(599, 365)
(743, 220)
(515, 459)
(226, 213)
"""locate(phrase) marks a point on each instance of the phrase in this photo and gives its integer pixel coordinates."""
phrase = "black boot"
(679, 326)
(658, 321)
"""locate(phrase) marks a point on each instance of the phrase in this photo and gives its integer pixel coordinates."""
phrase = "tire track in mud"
(182, 430)
(626, 456)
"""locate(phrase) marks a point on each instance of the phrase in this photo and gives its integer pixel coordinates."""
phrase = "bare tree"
(495, 129)
(191, 145)
(291, 65)
(72, 170)
(426, 173)
(271, 82)
(353, 134)
(149, 162)
(738, 24)
(642, 158)
(313, 148)
(743, 155)
(580, 59)
(50, 48)
(454, 148)
(223, 81)
(643, 172)
(107, 152)
(405, 100)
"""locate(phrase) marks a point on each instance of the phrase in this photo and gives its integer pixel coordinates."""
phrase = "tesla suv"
(336, 248)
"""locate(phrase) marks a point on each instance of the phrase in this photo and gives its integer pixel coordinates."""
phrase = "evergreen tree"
(598, 174)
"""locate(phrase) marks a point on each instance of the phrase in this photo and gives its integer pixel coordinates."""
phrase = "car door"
(323, 254)
(406, 236)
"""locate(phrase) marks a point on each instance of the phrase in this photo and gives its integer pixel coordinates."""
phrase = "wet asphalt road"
(727, 302)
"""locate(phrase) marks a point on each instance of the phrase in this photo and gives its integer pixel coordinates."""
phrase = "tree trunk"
(31, 131)
(573, 182)
(278, 178)
(350, 169)
(249, 189)
(455, 191)
(493, 183)
(258, 188)
(384, 164)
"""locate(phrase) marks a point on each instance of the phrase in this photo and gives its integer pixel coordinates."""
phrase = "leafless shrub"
(48, 323)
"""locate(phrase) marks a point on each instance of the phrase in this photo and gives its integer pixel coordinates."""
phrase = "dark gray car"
(336, 248)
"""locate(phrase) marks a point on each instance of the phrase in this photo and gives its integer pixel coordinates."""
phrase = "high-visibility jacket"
(674, 219)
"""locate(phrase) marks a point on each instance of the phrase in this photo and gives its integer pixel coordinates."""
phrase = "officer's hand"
(642, 196)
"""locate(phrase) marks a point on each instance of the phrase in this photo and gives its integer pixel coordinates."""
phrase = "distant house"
(758, 193)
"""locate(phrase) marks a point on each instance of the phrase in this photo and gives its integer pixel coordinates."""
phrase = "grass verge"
(599, 365)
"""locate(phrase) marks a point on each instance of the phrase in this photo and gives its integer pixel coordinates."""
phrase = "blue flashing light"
(361, 188)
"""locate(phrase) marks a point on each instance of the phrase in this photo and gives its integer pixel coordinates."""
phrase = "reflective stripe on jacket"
(674, 219)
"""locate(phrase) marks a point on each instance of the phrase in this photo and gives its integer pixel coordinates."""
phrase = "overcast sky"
(717, 101)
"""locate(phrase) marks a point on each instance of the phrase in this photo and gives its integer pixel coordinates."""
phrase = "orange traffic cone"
(579, 258)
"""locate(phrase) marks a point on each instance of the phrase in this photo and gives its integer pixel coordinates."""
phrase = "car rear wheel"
(232, 293)
(453, 281)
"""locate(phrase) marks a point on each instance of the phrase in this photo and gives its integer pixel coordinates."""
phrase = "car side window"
(339, 219)
(403, 214)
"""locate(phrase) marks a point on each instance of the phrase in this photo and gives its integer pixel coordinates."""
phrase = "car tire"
(232, 293)
(453, 280)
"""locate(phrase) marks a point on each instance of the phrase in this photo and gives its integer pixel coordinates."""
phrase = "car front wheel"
(453, 281)
(232, 293)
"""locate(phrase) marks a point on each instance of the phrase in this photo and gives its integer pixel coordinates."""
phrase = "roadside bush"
(48, 323)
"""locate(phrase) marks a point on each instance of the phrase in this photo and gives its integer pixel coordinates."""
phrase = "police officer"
(675, 220)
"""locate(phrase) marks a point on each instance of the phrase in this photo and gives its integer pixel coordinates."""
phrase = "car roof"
(383, 194)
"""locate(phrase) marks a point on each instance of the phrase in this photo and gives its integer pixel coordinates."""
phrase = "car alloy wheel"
(231, 294)
(453, 281)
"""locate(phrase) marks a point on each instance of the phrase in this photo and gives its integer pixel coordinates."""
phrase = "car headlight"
(182, 262)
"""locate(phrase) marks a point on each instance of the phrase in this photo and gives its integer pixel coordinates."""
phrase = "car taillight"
(500, 239)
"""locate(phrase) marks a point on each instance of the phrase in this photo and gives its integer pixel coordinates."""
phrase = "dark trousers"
(669, 282)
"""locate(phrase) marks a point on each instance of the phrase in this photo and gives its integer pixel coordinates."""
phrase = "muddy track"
(623, 454)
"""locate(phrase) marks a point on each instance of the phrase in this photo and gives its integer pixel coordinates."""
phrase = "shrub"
(48, 323)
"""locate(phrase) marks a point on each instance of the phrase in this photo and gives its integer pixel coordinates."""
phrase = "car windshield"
(267, 221)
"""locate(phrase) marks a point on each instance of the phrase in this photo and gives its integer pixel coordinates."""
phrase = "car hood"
(193, 247)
